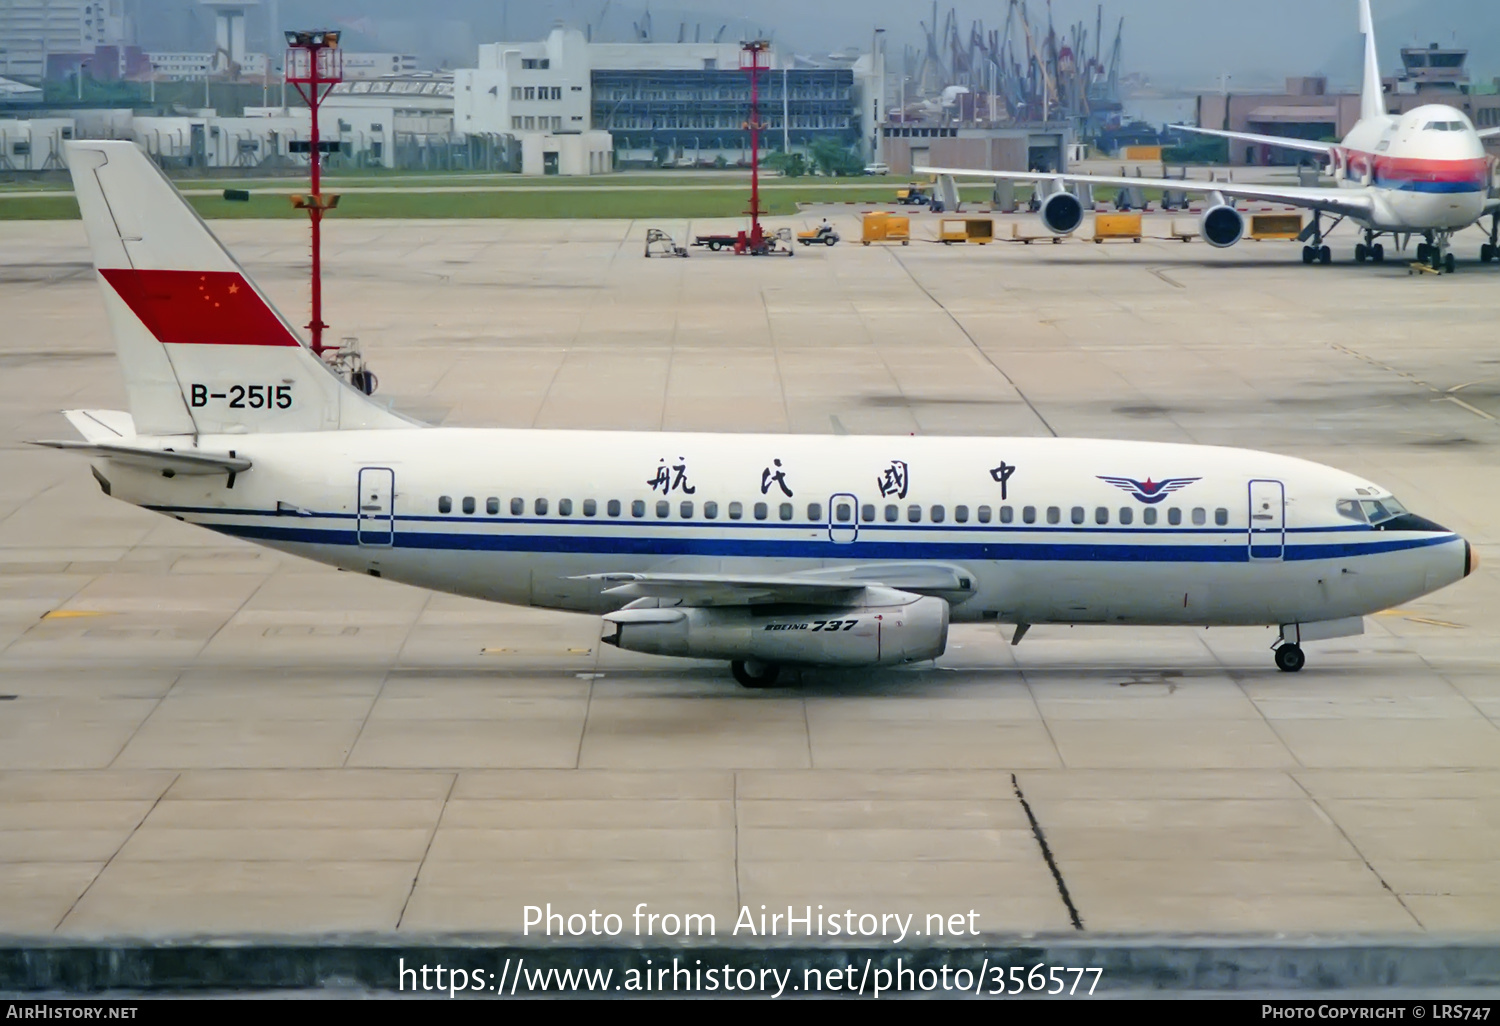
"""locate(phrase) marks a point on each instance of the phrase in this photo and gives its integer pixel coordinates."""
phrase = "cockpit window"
(1378, 511)
(1349, 509)
(1443, 126)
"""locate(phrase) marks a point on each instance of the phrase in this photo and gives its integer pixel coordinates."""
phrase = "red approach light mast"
(314, 65)
(753, 57)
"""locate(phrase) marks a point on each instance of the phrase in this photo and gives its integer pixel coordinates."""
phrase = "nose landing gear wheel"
(1289, 658)
(754, 674)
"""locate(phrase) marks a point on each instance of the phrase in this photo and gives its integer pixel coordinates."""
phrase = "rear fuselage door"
(375, 520)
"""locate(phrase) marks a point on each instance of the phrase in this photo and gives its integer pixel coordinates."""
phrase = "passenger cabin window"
(445, 504)
(468, 504)
(1054, 515)
(815, 512)
(517, 507)
(960, 514)
(492, 506)
(761, 511)
(892, 514)
(638, 508)
(711, 510)
(1007, 514)
(938, 513)
(1077, 515)
(685, 511)
(564, 507)
(663, 509)
(540, 506)
(1148, 515)
(914, 514)
(843, 512)
(613, 508)
(1174, 516)
(1221, 517)
(1126, 514)
(1200, 516)
(867, 513)
(983, 514)
(1101, 515)
(590, 508)
(1028, 514)
(736, 511)
(786, 512)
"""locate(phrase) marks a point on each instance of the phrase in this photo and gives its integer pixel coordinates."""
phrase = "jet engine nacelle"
(1221, 226)
(1062, 213)
(915, 629)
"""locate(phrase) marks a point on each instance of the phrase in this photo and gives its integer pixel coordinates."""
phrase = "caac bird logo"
(1148, 491)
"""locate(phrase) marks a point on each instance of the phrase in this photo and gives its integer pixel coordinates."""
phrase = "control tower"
(1432, 69)
(229, 32)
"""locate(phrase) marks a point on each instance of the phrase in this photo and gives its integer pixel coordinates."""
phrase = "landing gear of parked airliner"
(1315, 252)
(1491, 250)
(1436, 252)
(1369, 250)
(754, 674)
(1289, 658)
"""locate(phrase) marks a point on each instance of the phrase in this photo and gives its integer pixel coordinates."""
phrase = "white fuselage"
(517, 516)
(1422, 177)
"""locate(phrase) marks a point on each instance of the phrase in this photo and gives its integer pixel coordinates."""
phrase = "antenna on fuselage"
(1372, 94)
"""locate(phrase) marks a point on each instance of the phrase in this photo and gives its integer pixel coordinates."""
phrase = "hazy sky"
(1179, 42)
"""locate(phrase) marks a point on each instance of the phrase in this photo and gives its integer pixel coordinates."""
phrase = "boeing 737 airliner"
(763, 550)
(1421, 173)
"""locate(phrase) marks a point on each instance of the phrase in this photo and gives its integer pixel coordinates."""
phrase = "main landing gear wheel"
(1448, 263)
(1289, 658)
(1360, 253)
(754, 674)
(1486, 253)
(1377, 253)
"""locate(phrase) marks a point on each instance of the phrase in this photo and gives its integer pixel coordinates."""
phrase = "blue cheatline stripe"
(1234, 551)
(1406, 185)
(486, 521)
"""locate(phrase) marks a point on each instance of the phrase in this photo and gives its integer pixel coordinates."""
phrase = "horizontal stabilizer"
(187, 463)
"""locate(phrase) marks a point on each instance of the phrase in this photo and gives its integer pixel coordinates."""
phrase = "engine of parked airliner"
(1062, 213)
(858, 636)
(1221, 226)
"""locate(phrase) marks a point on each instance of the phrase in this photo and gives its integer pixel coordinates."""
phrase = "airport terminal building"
(685, 103)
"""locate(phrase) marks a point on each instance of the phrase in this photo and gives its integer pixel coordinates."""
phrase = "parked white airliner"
(1421, 173)
(764, 550)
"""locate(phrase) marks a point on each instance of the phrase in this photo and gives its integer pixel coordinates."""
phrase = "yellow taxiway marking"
(70, 614)
(1435, 623)
(1395, 612)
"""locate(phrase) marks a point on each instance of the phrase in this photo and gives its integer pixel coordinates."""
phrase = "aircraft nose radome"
(1471, 558)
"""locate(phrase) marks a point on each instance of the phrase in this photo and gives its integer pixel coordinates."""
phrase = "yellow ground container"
(1117, 226)
(1140, 153)
(980, 230)
(1275, 226)
(884, 226)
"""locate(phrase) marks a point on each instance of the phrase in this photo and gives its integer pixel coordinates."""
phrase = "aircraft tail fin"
(1372, 93)
(202, 349)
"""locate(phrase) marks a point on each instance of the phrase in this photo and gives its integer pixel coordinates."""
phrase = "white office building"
(32, 29)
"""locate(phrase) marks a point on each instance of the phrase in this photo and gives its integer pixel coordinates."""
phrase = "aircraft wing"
(840, 586)
(1488, 133)
(186, 463)
(1305, 145)
(1351, 202)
